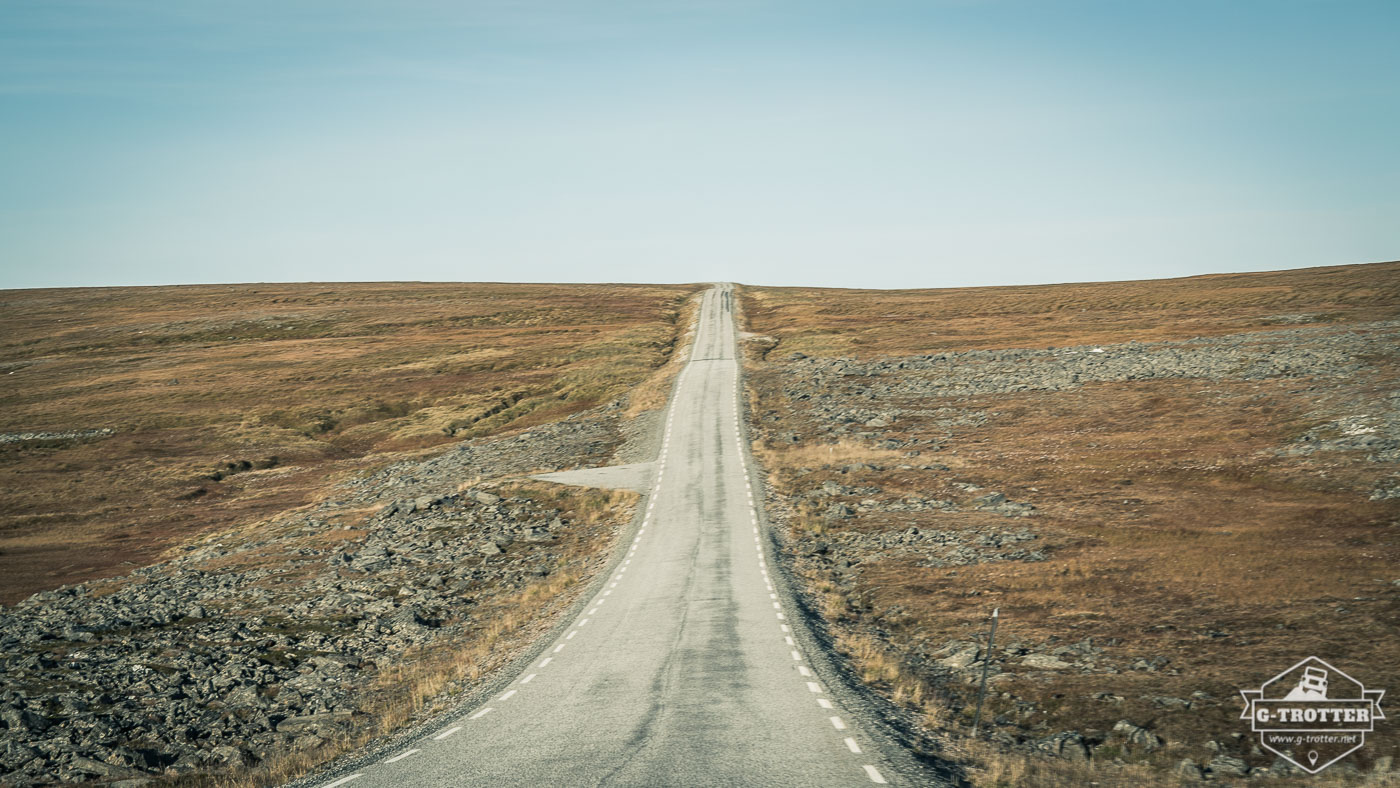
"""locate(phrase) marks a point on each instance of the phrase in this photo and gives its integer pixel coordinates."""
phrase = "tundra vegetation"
(1172, 490)
(270, 523)
(136, 417)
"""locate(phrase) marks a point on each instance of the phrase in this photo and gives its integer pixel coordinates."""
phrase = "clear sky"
(865, 143)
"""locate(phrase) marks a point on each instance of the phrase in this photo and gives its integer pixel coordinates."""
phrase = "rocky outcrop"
(267, 643)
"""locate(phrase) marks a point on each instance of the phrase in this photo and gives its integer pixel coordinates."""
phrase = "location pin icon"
(1312, 757)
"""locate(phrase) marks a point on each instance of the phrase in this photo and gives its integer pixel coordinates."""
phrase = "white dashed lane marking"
(812, 686)
(342, 781)
(401, 756)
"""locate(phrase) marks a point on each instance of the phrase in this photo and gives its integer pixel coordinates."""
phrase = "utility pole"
(986, 664)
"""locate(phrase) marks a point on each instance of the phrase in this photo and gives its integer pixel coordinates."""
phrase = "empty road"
(683, 668)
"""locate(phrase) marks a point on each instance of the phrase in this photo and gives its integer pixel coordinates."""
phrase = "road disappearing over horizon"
(683, 669)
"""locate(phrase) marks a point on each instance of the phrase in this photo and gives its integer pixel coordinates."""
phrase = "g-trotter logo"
(1312, 714)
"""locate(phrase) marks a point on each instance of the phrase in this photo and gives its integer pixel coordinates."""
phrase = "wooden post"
(986, 664)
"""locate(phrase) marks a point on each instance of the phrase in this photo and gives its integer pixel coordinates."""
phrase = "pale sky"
(859, 144)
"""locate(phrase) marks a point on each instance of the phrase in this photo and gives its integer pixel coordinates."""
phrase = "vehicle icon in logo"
(1312, 686)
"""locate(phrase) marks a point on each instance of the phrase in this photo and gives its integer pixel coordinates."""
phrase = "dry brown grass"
(235, 402)
(995, 768)
(864, 323)
(839, 453)
(653, 392)
(1174, 529)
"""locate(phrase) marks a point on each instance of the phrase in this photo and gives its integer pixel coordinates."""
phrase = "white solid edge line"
(447, 733)
(874, 775)
(342, 781)
(852, 746)
(401, 756)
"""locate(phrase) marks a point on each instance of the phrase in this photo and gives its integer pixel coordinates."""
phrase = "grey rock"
(1227, 766)
(108, 771)
(24, 720)
(311, 723)
(989, 500)
(1069, 745)
(962, 656)
(1043, 662)
(1187, 768)
(1138, 738)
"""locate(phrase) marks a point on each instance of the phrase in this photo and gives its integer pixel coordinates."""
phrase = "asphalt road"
(683, 669)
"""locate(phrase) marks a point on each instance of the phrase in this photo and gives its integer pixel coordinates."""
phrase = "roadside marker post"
(986, 664)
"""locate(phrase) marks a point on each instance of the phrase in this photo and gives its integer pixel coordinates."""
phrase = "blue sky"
(867, 144)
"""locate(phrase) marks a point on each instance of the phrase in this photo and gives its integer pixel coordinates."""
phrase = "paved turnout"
(683, 668)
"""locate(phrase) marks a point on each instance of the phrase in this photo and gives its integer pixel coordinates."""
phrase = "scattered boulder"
(1138, 738)
(962, 656)
(1188, 769)
(1043, 662)
(1228, 766)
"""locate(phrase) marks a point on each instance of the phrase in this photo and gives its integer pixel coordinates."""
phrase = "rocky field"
(238, 622)
(1166, 513)
(265, 649)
